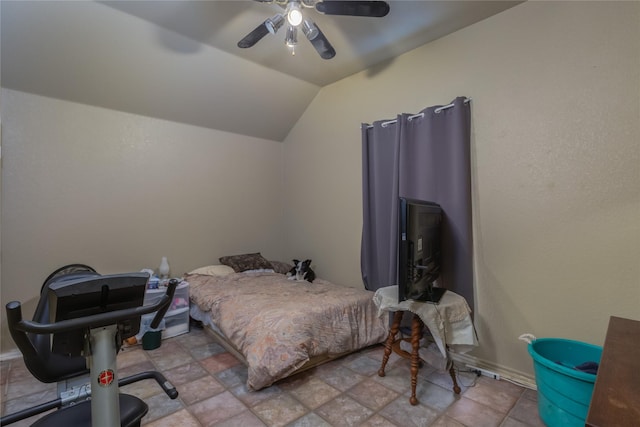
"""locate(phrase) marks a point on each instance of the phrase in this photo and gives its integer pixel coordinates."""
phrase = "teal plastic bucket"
(564, 393)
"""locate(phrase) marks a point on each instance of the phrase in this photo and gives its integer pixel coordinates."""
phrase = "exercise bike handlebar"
(171, 290)
(15, 321)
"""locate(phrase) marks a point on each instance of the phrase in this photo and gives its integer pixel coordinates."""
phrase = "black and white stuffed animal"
(301, 271)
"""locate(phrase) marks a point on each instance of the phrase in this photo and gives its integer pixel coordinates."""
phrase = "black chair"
(81, 320)
(46, 366)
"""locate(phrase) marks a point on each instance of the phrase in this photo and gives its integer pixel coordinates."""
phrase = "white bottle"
(163, 270)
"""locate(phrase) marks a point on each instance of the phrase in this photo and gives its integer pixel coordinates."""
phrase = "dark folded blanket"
(588, 367)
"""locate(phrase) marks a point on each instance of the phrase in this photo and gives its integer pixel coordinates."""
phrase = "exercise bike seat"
(132, 410)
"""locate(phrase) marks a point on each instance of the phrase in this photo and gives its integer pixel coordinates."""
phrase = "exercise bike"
(78, 328)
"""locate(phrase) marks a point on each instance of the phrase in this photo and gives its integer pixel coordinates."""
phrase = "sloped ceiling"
(178, 60)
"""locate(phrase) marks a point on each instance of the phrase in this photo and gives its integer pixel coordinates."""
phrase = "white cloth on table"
(449, 321)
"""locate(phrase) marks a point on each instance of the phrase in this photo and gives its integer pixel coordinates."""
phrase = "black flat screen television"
(419, 250)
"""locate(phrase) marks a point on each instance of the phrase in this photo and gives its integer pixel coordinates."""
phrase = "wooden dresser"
(616, 394)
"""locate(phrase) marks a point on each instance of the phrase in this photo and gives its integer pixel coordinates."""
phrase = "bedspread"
(279, 324)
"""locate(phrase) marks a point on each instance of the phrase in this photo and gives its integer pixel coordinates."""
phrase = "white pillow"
(213, 270)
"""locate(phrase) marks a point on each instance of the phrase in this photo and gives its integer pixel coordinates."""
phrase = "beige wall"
(118, 191)
(556, 175)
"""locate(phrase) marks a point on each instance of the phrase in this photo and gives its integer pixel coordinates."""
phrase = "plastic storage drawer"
(180, 298)
(176, 320)
(176, 323)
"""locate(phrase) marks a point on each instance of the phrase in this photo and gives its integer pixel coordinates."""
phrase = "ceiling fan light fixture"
(294, 13)
(274, 24)
(291, 39)
(310, 29)
(295, 18)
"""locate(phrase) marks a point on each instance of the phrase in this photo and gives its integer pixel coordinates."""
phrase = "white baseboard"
(9, 355)
(505, 373)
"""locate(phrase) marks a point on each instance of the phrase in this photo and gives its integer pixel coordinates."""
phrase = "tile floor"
(345, 392)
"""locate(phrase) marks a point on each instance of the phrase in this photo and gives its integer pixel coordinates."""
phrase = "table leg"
(416, 334)
(397, 317)
(456, 387)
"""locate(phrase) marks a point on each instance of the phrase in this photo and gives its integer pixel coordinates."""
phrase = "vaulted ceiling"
(179, 60)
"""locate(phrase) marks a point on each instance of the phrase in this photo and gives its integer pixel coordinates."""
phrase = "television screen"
(419, 250)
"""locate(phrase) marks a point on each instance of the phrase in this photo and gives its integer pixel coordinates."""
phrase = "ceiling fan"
(295, 19)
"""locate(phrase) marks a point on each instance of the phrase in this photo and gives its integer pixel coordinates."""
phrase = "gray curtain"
(427, 157)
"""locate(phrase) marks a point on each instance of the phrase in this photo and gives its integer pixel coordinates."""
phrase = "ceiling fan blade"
(376, 9)
(320, 43)
(254, 36)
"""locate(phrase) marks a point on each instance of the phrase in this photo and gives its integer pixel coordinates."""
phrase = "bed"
(277, 326)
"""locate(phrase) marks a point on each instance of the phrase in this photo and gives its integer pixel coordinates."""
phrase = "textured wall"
(118, 191)
(556, 181)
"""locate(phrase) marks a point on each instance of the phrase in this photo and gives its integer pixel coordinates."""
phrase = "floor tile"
(217, 409)
(219, 362)
(233, 376)
(433, 395)
(169, 355)
(494, 397)
(445, 421)
(339, 376)
(5, 369)
(314, 393)
(344, 411)
(397, 378)
(310, 420)
(206, 350)
(33, 399)
(279, 410)
(364, 365)
(243, 419)
(200, 389)
(181, 418)
(252, 398)
(377, 421)
(510, 422)
(472, 413)
(161, 405)
(526, 410)
(372, 394)
(26, 387)
(18, 372)
(185, 373)
(131, 355)
(403, 413)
